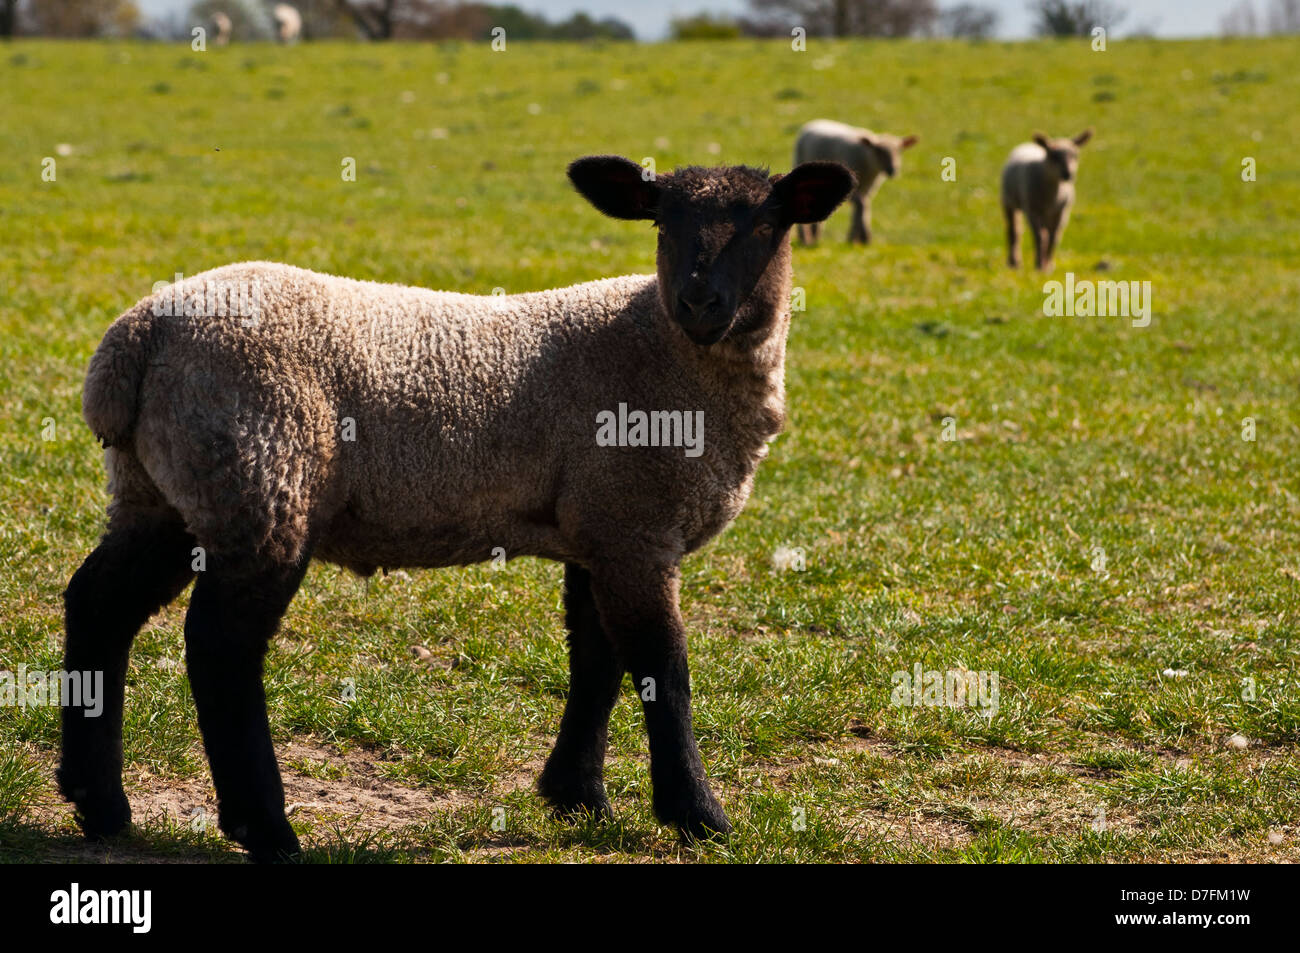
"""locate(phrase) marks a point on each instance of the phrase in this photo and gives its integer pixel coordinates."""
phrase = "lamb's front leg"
(638, 607)
(233, 613)
(1039, 231)
(574, 777)
(1055, 228)
(860, 222)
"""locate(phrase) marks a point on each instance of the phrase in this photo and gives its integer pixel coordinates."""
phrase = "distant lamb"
(221, 23)
(288, 23)
(1038, 181)
(871, 156)
(375, 425)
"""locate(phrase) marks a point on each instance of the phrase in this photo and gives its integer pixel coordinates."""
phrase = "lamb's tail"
(110, 399)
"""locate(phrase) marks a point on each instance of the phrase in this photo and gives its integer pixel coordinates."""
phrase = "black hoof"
(285, 854)
(273, 844)
(573, 798)
(100, 815)
(698, 816)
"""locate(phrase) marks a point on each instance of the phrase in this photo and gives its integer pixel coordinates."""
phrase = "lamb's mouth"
(707, 332)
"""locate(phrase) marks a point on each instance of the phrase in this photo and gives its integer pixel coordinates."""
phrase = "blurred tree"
(322, 19)
(439, 19)
(581, 26)
(375, 18)
(968, 20)
(71, 18)
(703, 26)
(1062, 18)
(847, 17)
(8, 17)
(1284, 16)
(81, 17)
(1239, 20)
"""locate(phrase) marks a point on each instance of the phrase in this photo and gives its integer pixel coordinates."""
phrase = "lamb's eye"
(763, 230)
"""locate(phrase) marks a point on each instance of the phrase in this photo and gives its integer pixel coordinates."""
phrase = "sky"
(1168, 18)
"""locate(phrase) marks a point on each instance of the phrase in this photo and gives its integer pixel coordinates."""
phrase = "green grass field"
(1099, 518)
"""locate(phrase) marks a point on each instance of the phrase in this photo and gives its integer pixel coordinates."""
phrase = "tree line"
(449, 19)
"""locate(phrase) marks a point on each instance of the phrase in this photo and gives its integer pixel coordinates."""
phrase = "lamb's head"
(889, 150)
(723, 233)
(1063, 154)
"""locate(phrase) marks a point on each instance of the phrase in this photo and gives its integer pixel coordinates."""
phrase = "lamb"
(1038, 181)
(871, 156)
(222, 24)
(288, 23)
(309, 416)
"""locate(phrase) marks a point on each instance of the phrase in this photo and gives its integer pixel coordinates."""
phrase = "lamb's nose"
(698, 300)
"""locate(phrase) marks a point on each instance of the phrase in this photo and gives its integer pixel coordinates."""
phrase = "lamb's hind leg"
(142, 564)
(234, 611)
(638, 607)
(574, 777)
(1013, 237)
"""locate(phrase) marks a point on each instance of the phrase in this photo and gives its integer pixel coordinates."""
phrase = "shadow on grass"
(24, 842)
(440, 841)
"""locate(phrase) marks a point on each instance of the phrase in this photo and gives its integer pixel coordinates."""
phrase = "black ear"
(616, 186)
(1042, 141)
(810, 191)
(1083, 137)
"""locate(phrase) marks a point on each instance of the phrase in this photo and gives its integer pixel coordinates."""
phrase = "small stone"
(787, 558)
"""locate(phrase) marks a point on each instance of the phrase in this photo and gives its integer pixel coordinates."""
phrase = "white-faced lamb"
(222, 25)
(375, 425)
(1038, 182)
(288, 23)
(871, 156)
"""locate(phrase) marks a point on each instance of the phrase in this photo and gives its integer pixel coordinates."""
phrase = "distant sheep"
(1038, 181)
(262, 415)
(222, 25)
(871, 156)
(288, 23)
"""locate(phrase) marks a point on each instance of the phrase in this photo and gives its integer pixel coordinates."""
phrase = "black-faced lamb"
(375, 425)
(1038, 181)
(871, 156)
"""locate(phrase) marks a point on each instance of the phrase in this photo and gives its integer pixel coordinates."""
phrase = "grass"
(1098, 519)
